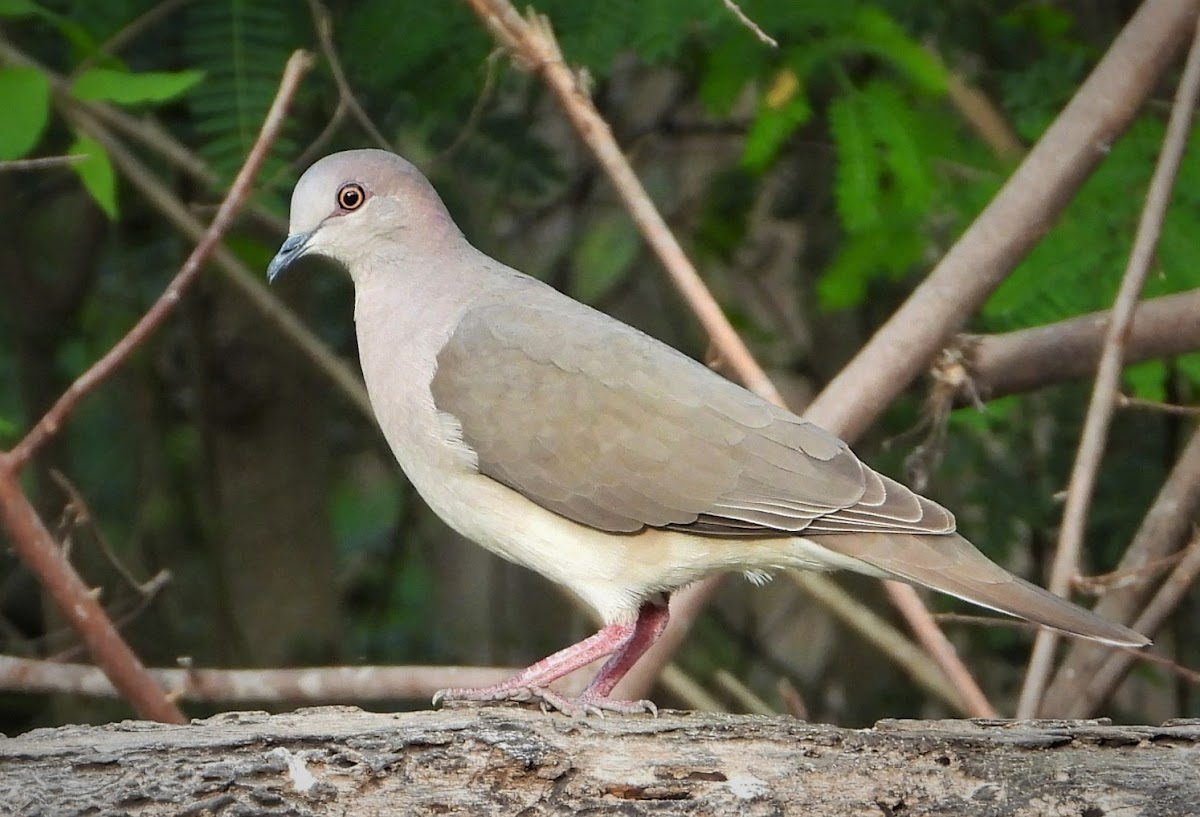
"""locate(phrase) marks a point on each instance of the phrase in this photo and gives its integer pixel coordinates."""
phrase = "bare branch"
(27, 533)
(40, 163)
(1028, 359)
(763, 37)
(300, 685)
(346, 96)
(1100, 684)
(1102, 405)
(1164, 529)
(148, 323)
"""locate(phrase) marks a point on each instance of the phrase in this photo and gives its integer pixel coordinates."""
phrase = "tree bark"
(341, 760)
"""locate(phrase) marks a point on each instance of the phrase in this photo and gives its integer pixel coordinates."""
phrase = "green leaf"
(1189, 366)
(18, 8)
(1147, 380)
(72, 31)
(777, 119)
(892, 123)
(856, 184)
(890, 250)
(883, 35)
(126, 88)
(731, 63)
(96, 173)
(603, 257)
(26, 95)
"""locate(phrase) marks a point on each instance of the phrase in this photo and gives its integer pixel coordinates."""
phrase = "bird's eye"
(351, 196)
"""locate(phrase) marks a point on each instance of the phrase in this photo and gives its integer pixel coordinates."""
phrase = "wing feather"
(615, 430)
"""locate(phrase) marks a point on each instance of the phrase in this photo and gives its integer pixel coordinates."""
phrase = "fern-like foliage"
(1077, 267)
(241, 45)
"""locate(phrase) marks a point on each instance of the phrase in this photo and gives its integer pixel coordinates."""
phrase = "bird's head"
(358, 199)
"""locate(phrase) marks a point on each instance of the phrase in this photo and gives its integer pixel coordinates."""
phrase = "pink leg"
(651, 621)
(624, 642)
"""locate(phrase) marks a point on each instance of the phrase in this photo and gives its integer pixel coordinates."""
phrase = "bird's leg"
(651, 621)
(624, 642)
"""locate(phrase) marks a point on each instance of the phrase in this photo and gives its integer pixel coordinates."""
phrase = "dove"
(610, 463)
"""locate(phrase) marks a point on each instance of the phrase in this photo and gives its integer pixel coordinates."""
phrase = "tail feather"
(952, 565)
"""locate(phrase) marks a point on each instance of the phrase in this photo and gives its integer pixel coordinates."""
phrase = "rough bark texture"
(341, 760)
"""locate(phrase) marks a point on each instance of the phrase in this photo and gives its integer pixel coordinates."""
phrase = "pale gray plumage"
(582, 448)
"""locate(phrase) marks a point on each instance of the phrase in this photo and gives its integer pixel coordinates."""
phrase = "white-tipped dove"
(570, 443)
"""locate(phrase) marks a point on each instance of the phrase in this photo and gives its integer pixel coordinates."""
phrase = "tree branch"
(1165, 527)
(298, 685)
(1106, 677)
(1028, 359)
(27, 533)
(510, 761)
(52, 421)
(1103, 403)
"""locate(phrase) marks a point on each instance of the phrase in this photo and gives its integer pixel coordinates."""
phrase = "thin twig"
(750, 24)
(1100, 684)
(1164, 529)
(40, 163)
(317, 146)
(533, 42)
(1126, 401)
(324, 26)
(83, 515)
(27, 533)
(147, 592)
(1108, 582)
(129, 32)
(1102, 405)
(481, 100)
(52, 421)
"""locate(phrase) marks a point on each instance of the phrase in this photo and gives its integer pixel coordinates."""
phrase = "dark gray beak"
(292, 248)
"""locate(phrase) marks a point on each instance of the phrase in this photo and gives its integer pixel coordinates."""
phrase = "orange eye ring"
(351, 196)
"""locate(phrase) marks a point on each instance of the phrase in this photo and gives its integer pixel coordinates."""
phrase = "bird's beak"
(292, 248)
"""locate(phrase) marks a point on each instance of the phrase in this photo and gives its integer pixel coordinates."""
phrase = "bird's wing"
(613, 429)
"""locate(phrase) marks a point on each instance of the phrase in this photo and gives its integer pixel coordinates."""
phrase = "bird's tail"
(952, 565)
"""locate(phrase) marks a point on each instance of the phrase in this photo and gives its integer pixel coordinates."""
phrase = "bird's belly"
(612, 573)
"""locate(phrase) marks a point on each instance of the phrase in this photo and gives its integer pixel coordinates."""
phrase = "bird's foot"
(547, 699)
(590, 704)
